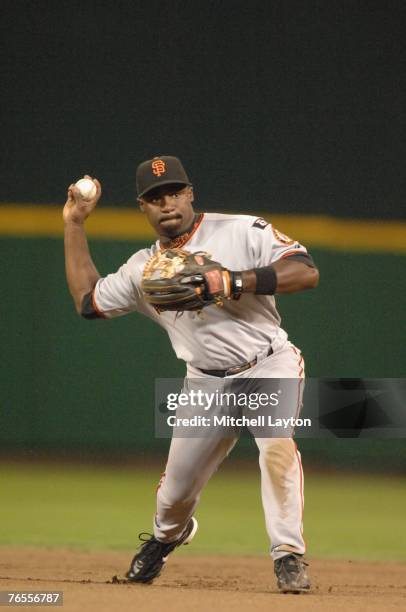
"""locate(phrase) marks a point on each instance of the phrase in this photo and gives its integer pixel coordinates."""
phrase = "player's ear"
(192, 195)
(141, 204)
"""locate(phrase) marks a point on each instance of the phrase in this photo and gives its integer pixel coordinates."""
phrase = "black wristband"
(236, 283)
(266, 280)
(88, 311)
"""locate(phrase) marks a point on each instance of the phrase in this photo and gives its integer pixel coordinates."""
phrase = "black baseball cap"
(163, 170)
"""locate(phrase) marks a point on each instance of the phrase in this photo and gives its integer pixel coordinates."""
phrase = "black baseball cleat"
(290, 571)
(148, 562)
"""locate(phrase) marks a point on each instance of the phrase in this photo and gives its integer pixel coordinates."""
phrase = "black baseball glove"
(179, 280)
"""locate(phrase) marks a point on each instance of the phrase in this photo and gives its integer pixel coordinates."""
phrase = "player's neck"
(179, 240)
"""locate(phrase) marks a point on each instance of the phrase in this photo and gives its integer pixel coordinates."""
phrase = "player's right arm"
(81, 273)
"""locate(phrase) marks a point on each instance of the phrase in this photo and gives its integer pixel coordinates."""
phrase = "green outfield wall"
(70, 384)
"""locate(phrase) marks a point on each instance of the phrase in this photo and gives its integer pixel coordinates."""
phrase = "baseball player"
(240, 341)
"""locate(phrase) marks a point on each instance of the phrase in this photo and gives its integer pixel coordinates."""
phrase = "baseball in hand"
(87, 188)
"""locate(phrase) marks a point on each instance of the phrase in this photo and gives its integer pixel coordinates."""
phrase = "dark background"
(288, 107)
(282, 106)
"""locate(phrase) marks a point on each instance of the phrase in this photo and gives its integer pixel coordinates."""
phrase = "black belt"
(235, 369)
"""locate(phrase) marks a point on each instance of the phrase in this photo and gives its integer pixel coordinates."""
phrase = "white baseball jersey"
(218, 337)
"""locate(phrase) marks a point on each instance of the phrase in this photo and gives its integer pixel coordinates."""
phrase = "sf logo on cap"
(158, 167)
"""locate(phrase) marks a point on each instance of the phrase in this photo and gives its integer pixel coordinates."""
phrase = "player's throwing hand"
(77, 208)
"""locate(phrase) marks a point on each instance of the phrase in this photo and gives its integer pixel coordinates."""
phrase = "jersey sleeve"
(119, 293)
(268, 244)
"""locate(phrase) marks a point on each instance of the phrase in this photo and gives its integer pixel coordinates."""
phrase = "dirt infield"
(200, 583)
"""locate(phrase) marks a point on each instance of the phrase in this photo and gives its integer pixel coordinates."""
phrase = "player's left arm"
(289, 275)
(281, 264)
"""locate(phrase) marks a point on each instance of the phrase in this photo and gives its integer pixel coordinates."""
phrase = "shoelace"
(150, 540)
(145, 533)
(150, 545)
(290, 562)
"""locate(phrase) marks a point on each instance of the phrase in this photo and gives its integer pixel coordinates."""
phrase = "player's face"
(169, 209)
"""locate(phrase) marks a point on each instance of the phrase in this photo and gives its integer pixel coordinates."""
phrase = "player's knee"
(278, 453)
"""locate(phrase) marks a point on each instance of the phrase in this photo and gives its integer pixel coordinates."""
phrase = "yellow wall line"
(127, 224)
